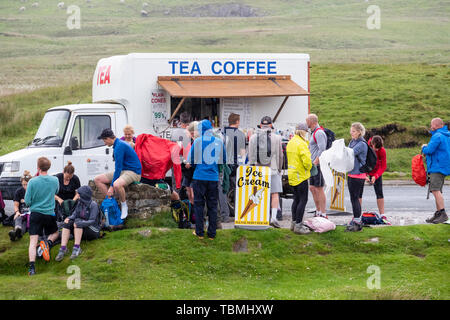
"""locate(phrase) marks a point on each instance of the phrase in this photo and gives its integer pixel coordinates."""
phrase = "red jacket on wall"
(156, 157)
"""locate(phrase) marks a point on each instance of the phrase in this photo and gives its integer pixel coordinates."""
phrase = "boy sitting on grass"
(84, 223)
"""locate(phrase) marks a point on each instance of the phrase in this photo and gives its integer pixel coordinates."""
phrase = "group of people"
(208, 158)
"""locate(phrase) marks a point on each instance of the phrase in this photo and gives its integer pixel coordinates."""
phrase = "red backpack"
(419, 174)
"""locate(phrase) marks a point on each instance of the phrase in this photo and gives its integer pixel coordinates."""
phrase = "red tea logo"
(103, 75)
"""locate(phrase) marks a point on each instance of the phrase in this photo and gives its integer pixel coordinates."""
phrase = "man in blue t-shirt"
(40, 198)
(127, 169)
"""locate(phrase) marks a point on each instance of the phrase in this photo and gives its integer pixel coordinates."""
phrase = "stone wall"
(143, 200)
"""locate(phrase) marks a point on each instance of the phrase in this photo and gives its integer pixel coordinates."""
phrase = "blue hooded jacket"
(207, 153)
(438, 152)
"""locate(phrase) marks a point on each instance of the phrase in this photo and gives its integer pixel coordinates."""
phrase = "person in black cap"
(265, 149)
(127, 169)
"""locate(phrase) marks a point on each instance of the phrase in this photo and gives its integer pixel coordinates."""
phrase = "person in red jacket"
(375, 176)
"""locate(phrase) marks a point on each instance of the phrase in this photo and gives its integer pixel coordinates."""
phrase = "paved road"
(404, 205)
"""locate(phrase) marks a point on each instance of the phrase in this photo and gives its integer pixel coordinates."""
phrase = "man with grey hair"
(317, 145)
(438, 166)
(181, 135)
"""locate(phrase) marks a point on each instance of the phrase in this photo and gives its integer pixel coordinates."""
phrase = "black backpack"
(330, 136)
(371, 160)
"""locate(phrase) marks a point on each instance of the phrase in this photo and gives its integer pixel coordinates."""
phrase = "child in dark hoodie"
(84, 223)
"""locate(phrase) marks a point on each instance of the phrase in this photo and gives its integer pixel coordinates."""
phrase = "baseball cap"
(266, 120)
(106, 133)
(301, 126)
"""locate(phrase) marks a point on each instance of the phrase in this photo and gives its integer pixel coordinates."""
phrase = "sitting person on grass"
(21, 211)
(84, 223)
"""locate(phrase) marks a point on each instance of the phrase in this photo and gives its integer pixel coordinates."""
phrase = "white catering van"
(149, 91)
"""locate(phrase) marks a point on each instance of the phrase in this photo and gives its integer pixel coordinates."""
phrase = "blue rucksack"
(111, 209)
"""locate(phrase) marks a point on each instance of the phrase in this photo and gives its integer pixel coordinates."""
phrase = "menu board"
(241, 106)
(159, 107)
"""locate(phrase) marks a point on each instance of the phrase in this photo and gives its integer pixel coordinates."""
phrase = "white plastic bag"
(339, 158)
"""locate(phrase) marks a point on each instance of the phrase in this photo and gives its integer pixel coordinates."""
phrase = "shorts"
(436, 181)
(317, 180)
(186, 182)
(89, 233)
(154, 182)
(41, 224)
(276, 185)
(128, 176)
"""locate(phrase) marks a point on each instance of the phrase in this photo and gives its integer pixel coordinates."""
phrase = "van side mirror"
(67, 151)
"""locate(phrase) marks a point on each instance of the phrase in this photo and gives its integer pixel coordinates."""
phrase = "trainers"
(431, 219)
(38, 252)
(195, 234)
(31, 271)
(354, 226)
(292, 225)
(441, 217)
(61, 255)
(12, 235)
(45, 250)
(300, 228)
(75, 253)
(275, 224)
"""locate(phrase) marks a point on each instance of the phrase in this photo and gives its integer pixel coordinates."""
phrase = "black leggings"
(300, 200)
(355, 187)
(378, 186)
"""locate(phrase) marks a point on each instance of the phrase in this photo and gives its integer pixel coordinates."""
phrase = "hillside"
(37, 49)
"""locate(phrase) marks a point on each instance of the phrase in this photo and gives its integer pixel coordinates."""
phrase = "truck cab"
(66, 133)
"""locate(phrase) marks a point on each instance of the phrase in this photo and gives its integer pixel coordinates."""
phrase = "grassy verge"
(171, 264)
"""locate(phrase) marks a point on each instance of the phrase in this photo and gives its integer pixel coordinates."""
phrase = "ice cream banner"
(252, 200)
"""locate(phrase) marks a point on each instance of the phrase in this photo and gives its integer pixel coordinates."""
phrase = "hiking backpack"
(111, 211)
(330, 136)
(371, 160)
(418, 172)
(181, 213)
(373, 218)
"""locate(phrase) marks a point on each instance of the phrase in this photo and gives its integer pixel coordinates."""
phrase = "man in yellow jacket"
(299, 171)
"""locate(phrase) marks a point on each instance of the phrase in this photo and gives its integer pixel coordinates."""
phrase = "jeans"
(355, 187)
(205, 191)
(300, 200)
(223, 200)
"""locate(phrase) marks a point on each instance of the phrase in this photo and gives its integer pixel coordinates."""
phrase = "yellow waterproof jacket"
(299, 160)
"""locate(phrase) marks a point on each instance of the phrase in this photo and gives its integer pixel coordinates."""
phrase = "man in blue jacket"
(127, 169)
(206, 154)
(438, 165)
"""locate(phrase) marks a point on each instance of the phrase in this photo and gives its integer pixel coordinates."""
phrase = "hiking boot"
(18, 233)
(12, 235)
(275, 224)
(354, 226)
(300, 228)
(45, 250)
(441, 217)
(31, 271)
(61, 255)
(75, 253)
(431, 219)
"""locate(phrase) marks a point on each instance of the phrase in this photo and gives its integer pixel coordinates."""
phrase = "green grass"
(172, 264)
(37, 49)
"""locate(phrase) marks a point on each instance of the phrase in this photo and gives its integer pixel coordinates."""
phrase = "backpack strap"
(314, 133)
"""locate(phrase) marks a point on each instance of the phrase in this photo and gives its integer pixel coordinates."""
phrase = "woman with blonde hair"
(128, 135)
(189, 173)
(299, 168)
(21, 210)
(356, 178)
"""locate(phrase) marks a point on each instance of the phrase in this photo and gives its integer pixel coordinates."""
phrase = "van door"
(89, 155)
